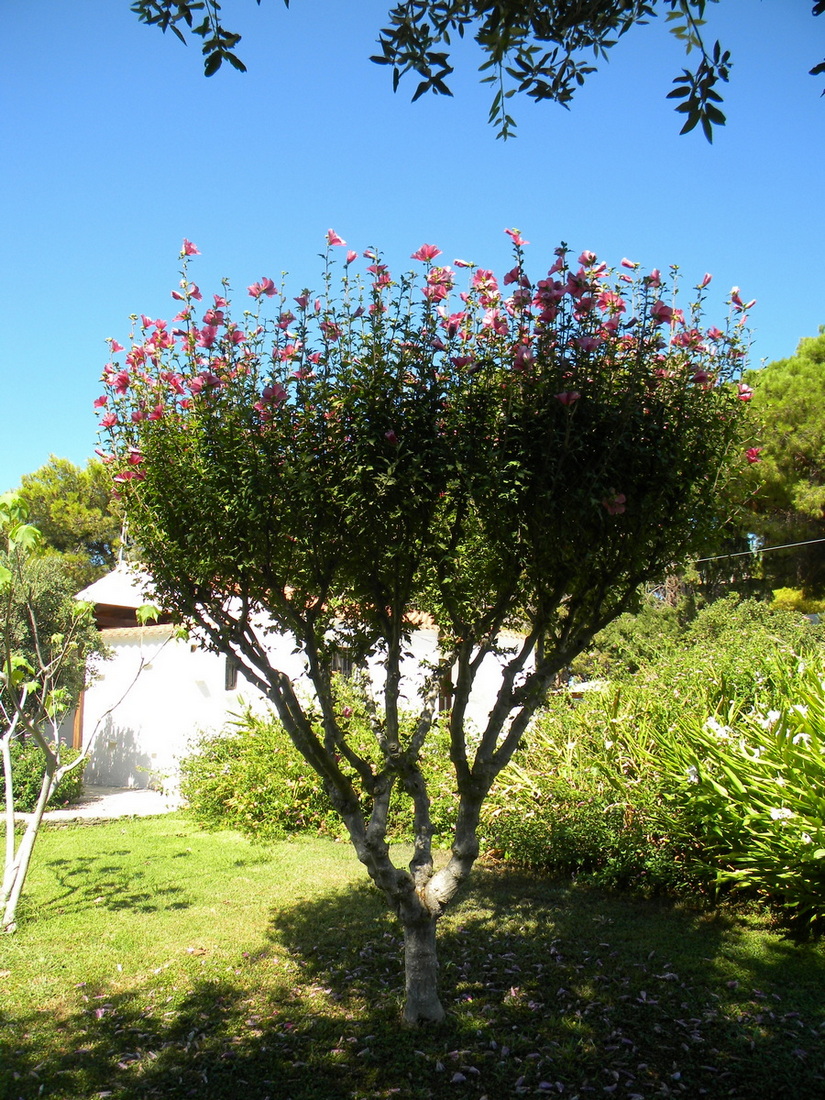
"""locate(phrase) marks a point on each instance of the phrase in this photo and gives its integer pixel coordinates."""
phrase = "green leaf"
(146, 613)
(26, 536)
(212, 64)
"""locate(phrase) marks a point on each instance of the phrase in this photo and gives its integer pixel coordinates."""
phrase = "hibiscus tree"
(517, 456)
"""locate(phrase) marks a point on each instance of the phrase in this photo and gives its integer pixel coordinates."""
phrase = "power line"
(758, 550)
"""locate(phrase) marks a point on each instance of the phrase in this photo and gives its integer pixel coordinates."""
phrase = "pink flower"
(523, 358)
(189, 249)
(120, 382)
(629, 263)
(661, 313)
(752, 455)
(494, 320)
(382, 275)
(274, 394)
(334, 239)
(485, 283)
(714, 333)
(302, 300)
(100, 402)
(265, 286)
(615, 505)
(391, 437)
(587, 258)
(426, 253)
(207, 336)
(453, 322)
(108, 421)
(516, 237)
(700, 377)
(351, 256)
(745, 392)
(706, 281)
(463, 263)
(654, 278)
(589, 343)
(568, 397)
(115, 347)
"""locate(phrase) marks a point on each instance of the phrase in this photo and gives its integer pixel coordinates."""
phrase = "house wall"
(156, 693)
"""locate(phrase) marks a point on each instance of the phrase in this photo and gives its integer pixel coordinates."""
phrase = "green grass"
(154, 959)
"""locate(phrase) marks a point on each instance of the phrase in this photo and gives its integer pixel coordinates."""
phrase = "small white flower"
(806, 838)
(720, 731)
(781, 813)
(781, 781)
(802, 739)
(692, 774)
(800, 709)
(608, 745)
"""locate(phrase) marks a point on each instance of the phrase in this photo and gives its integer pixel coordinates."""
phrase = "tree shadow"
(119, 758)
(550, 990)
(111, 884)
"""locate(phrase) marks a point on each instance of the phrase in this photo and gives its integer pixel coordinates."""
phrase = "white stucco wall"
(157, 692)
(151, 698)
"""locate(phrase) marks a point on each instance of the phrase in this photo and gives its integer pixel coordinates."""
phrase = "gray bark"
(421, 971)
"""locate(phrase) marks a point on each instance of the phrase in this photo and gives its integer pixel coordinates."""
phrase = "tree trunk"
(421, 968)
(15, 876)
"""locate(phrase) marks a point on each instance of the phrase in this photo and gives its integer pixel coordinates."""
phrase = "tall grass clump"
(633, 785)
(752, 789)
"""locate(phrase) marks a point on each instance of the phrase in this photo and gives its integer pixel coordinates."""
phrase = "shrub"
(251, 778)
(601, 787)
(793, 599)
(27, 776)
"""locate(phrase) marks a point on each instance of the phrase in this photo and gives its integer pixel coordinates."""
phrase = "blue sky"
(115, 147)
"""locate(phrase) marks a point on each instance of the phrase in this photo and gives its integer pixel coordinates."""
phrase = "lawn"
(156, 959)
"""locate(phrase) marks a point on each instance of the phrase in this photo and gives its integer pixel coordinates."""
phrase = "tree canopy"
(45, 638)
(511, 460)
(72, 507)
(543, 49)
(788, 470)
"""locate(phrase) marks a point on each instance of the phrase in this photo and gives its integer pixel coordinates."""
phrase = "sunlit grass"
(154, 959)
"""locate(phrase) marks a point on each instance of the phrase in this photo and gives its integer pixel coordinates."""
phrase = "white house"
(157, 691)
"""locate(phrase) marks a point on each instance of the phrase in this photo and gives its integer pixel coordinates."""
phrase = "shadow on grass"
(550, 990)
(111, 883)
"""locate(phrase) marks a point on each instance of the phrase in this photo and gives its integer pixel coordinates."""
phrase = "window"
(230, 673)
(445, 693)
(341, 662)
